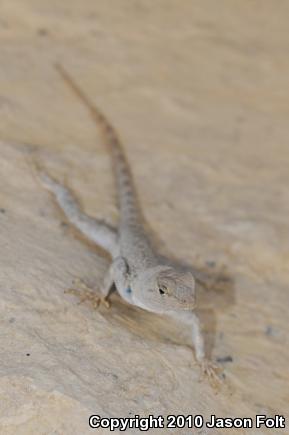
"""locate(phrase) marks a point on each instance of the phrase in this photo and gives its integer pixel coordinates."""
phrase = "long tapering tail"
(129, 207)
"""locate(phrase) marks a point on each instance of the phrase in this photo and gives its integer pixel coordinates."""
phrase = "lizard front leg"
(86, 293)
(117, 275)
(191, 320)
(121, 277)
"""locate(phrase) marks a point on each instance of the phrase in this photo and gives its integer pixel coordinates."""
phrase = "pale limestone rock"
(199, 94)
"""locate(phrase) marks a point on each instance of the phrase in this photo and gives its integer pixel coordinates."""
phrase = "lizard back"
(134, 243)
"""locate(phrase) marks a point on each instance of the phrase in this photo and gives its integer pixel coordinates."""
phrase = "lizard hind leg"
(94, 229)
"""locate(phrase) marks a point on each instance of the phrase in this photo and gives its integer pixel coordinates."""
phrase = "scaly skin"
(136, 270)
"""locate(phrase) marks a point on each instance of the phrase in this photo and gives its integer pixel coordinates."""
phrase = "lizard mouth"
(189, 307)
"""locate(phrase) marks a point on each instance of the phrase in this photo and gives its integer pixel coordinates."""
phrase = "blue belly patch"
(128, 290)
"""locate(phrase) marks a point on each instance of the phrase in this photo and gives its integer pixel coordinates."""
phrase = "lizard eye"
(162, 290)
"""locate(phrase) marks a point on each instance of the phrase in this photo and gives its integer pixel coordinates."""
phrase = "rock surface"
(199, 94)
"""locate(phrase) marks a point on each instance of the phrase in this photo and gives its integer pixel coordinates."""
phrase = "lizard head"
(163, 288)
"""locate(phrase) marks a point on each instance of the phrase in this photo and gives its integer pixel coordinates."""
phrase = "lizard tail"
(129, 207)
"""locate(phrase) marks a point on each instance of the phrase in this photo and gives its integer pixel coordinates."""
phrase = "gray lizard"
(139, 274)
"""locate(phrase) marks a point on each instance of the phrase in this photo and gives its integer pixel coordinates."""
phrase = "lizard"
(141, 276)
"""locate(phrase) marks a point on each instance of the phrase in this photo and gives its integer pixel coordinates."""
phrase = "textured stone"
(199, 94)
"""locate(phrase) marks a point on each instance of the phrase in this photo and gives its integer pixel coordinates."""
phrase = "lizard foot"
(85, 293)
(211, 372)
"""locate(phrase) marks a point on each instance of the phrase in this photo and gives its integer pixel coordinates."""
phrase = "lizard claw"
(210, 371)
(85, 293)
